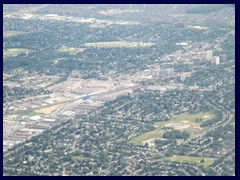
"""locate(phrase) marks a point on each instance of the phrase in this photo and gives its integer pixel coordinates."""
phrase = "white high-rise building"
(216, 60)
(208, 55)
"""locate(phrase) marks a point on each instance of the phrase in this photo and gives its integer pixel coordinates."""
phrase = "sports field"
(79, 158)
(28, 112)
(190, 118)
(14, 51)
(70, 50)
(139, 140)
(7, 34)
(205, 161)
(185, 122)
(117, 44)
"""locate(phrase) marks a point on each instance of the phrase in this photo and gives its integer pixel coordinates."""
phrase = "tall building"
(208, 55)
(216, 60)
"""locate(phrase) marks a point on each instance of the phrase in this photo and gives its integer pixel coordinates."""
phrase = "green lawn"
(189, 121)
(161, 123)
(118, 44)
(185, 122)
(78, 158)
(191, 117)
(146, 136)
(27, 112)
(50, 80)
(70, 50)
(7, 34)
(182, 159)
(188, 117)
(14, 51)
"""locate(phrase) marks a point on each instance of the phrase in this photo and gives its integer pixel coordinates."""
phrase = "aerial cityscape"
(119, 90)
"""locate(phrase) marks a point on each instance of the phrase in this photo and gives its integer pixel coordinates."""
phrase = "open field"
(27, 112)
(78, 158)
(191, 117)
(188, 118)
(117, 11)
(12, 33)
(139, 140)
(14, 51)
(48, 81)
(70, 50)
(161, 123)
(118, 44)
(182, 159)
(200, 27)
(48, 110)
(186, 122)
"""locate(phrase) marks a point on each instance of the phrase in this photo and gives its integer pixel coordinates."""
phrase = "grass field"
(7, 34)
(78, 158)
(161, 123)
(182, 159)
(146, 136)
(28, 112)
(49, 81)
(200, 27)
(14, 51)
(191, 117)
(118, 44)
(188, 117)
(186, 122)
(70, 50)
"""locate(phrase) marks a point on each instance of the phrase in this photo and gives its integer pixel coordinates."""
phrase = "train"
(87, 96)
